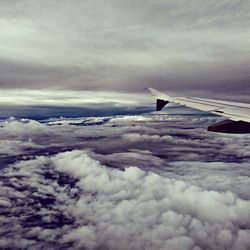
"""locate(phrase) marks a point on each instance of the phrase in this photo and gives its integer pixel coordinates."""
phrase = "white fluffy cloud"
(115, 209)
(146, 211)
(153, 181)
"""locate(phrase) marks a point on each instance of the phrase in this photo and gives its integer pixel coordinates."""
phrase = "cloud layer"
(114, 209)
(160, 182)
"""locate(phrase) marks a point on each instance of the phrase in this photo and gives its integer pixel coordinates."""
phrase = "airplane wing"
(238, 114)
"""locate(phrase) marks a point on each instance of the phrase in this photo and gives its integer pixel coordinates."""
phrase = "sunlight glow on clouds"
(71, 98)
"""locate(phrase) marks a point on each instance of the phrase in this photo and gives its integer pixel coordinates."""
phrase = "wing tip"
(161, 99)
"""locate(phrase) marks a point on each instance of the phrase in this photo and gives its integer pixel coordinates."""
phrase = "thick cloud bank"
(151, 181)
(114, 209)
(197, 47)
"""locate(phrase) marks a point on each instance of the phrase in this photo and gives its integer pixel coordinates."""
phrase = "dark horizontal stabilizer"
(232, 127)
(160, 104)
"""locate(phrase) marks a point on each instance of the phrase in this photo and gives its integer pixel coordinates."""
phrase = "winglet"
(161, 99)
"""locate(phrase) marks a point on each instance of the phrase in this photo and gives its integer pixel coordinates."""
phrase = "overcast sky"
(193, 46)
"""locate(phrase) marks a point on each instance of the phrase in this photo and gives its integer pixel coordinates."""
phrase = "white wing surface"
(237, 113)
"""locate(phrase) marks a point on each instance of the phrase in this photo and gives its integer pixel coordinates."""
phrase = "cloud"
(149, 181)
(189, 46)
(107, 207)
(14, 98)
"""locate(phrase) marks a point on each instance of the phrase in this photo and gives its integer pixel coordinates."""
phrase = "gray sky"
(189, 46)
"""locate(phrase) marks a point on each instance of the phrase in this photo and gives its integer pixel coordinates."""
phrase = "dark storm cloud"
(126, 45)
(33, 76)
